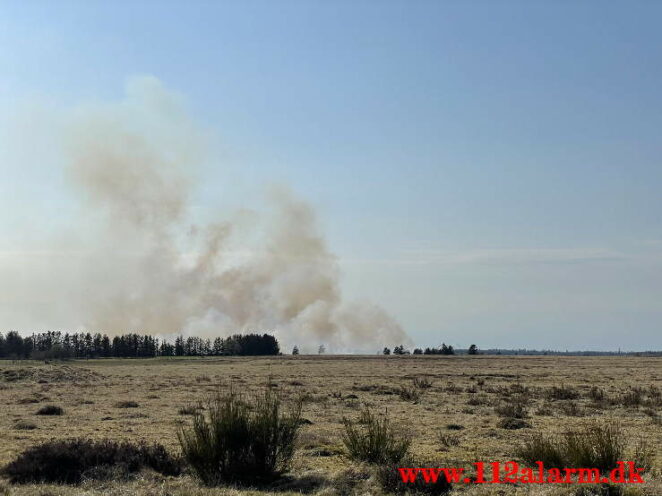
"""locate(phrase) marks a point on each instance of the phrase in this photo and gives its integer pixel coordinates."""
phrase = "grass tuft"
(412, 394)
(373, 439)
(422, 382)
(595, 445)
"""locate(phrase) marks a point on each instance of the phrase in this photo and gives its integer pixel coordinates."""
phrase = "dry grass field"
(454, 412)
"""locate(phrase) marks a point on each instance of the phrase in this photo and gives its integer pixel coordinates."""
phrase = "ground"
(469, 393)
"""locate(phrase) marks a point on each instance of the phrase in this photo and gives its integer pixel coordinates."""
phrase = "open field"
(473, 393)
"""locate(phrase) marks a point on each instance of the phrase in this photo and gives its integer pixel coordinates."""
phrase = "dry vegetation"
(455, 409)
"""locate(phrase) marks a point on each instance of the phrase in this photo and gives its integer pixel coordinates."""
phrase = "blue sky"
(488, 172)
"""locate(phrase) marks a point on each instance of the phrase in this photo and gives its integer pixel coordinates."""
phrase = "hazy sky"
(488, 172)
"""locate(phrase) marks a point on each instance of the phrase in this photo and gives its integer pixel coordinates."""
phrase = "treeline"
(443, 350)
(56, 345)
(523, 351)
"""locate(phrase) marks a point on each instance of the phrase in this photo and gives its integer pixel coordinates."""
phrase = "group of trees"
(443, 350)
(54, 344)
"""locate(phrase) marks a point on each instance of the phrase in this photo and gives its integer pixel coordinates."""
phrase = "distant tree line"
(56, 345)
(524, 351)
(443, 350)
(473, 350)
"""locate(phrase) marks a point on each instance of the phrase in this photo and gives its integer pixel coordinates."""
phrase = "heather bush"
(24, 425)
(70, 461)
(562, 393)
(512, 410)
(50, 410)
(238, 441)
(512, 423)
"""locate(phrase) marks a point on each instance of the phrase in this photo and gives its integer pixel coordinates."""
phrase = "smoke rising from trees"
(150, 266)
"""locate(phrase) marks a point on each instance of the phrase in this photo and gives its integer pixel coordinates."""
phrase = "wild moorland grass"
(337, 387)
(595, 445)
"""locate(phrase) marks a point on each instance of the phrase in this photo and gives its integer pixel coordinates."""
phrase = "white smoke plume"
(153, 268)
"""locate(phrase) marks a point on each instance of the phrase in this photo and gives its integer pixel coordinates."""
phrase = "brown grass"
(554, 390)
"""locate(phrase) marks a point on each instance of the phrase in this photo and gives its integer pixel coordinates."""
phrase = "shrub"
(639, 396)
(390, 480)
(23, 425)
(545, 410)
(478, 400)
(448, 440)
(50, 410)
(539, 448)
(237, 441)
(70, 461)
(571, 409)
(512, 410)
(513, 389)
(642, 456)
(511, 423)
(562, 393)
(188, 410)
(653, 415)
(409, 393)
(372, 439)
(632, 398)
(654, 396)
(422, 382)
(126, 404)
(453, 388)
(597, 394)
(595, 446)
(350, 480)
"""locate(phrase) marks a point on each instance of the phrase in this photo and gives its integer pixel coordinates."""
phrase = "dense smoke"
(154, 267)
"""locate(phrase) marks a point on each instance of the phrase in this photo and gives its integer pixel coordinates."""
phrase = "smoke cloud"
(151, 266)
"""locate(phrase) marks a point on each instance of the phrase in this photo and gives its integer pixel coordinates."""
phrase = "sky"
(487, 172)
